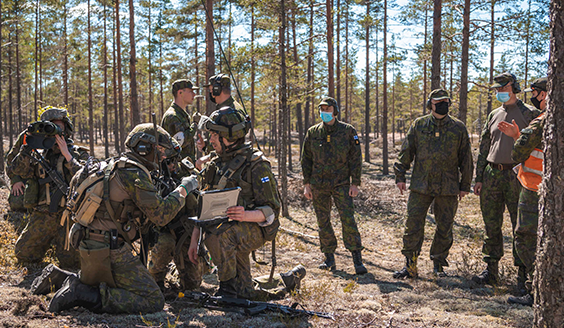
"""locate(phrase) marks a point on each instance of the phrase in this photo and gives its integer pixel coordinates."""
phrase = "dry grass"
(372, 300)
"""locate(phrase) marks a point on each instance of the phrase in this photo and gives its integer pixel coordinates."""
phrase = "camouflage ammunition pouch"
(16, 203)
(96, 266)
(76, 235)
(31, 194)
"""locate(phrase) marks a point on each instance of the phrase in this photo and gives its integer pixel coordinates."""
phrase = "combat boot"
(409, 271)
(527, 300)
(75, 293)
(438, 269)
(293, 278)
(50, 280)
(227, 288)
(359, 268)
(329, 263)
(521, 280)
(489, 276)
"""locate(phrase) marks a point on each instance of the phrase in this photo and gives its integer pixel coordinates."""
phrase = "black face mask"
(441, 108)
(536, 102)
(212, 98)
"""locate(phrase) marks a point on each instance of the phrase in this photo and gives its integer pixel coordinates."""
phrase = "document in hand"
(214, 203)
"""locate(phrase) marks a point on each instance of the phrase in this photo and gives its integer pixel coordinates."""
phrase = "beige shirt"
(501, 144)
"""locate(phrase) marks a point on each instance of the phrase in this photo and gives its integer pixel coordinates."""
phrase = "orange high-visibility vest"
(530, 172)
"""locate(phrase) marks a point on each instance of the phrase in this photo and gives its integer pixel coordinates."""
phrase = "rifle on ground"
(52, 177)
(251, 307)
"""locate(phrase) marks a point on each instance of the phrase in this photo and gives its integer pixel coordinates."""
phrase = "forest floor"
(374, 299)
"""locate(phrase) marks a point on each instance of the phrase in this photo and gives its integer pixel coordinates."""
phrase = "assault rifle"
(251, 307)
(52, 177)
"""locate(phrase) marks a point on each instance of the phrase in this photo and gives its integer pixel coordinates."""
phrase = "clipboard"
(213, 204)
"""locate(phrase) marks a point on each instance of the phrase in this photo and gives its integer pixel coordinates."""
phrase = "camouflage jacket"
(29, 169)
(331, 155)
(186, 168)
(14, 178)
(530, 138)
(442, 154)
(486, 139)
(254, 176)
(175, 120)
(230, 102)
(133, 196)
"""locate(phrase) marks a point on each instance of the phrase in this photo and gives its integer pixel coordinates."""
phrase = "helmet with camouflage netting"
(142, 139)
(228, 122)
(58, 114)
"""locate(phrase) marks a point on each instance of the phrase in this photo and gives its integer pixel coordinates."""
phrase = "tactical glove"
(190, 183)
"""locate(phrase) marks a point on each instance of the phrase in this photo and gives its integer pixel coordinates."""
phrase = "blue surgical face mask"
(326, 116)
(503, 96)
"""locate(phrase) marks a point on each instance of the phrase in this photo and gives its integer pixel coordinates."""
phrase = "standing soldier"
(43, 227)
(331, 165)
(528, 150)
(496, 183)
(112, 278)
(176, 121)
(254, 221)
(440, 147)
(219, 87)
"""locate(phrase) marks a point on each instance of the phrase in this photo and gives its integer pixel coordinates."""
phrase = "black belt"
(502, 167)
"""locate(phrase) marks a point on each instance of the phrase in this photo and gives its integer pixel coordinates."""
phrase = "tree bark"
(425, 62)
(150, 61)
(210, 53)
(436, 53)
(10, 94)
(90, 104)
(330, 51)
(338, 82)
(65, 57)
(309, 98)
(492, 42)
(385, 170)
(105, 66)
(282, 171)
(18, 73)
(115, 91)
(548, 277)
(133, 99)
(347, 104)
(463, 101)
(253, 72)
(367, 89)
(36, 60)
(120, 82)
(2, 110)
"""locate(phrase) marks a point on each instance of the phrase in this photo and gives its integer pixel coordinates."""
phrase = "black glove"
(190, 183)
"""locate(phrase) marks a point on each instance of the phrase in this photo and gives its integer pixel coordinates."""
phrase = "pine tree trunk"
(10, 94)
(377, 127)
(115, 91)
(35, 93)
(120, 82)
(210, 53)
(105, 65)
(548, 287)
(338, 73)
(2, 110)
(347, 104)
(385, 170)
(436, 52)
(133, 99)
(425, 62)
(253, 72)
(18, 73)
(150, 62)
(463, 98)
(197, 63)
(309, 98)
(282, 171)
(367, 89)
(492, 42)
(330, 52)
(90, 105)
(65, 58)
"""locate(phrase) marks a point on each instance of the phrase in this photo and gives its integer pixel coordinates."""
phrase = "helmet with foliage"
(58, 114)
(228, 122)
(141, 139)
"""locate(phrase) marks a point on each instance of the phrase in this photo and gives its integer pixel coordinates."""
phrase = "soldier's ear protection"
(216, 85)
(429, 105)
(515, 87)
(142, 143)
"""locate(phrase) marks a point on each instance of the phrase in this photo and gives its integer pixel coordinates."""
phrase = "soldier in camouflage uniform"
(112, 277)
(177, 122)
(496, 183)
(528, 150)
(174, 238)
(331, 165)
(442, 172)
(16, 198)
(43, 228)
(219, 88)
(255, 220)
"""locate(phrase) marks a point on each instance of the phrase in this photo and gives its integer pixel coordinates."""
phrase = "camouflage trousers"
(136, 291)
(230, 251)
(43, 230)
(322, 204)
(499, 189)
(162, 253)
(417, 207)
(526, 231)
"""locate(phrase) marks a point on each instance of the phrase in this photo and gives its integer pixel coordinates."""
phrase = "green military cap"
(439, 94)
(502, 79)
(538, 84)
(222, 80)
(182, 84)
(328, 101)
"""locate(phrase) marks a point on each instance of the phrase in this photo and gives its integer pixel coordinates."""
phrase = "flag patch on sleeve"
(265, 179)
(356, 141)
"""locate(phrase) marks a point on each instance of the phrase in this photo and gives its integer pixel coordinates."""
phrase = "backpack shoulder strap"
(230, 169)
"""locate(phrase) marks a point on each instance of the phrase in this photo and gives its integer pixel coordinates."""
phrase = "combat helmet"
(141, 139)
(58, 114)
(228, 122)
(328, 101)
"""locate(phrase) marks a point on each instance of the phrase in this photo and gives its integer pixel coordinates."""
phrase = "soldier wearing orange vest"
(528, 150)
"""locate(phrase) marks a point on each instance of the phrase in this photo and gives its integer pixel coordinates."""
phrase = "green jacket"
(176, 120)
(530, 138)
(529, 113)
(442, 154)
(331, 155)
(230, 102)
(14, 178)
